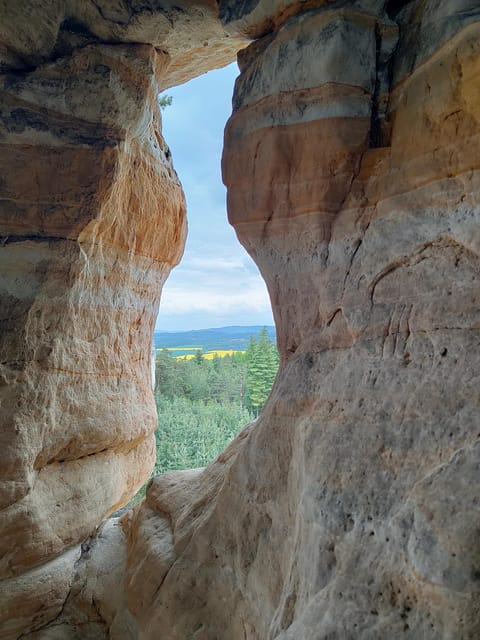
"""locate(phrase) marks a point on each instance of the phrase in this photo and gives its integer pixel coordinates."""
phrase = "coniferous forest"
(202, 403)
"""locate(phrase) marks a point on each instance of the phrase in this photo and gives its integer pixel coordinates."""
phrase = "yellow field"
(210, 355)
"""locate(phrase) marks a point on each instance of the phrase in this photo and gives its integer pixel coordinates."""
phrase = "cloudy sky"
(216, 284)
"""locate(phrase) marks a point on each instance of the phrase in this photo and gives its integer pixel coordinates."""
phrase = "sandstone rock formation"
(92, 221)
(35, 32)
(350, 508)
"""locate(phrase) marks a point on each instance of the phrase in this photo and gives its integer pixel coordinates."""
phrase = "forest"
(202, 403)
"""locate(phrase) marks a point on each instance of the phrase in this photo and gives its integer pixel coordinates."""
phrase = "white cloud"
(188, 300)
(217, 264)
(216, 284)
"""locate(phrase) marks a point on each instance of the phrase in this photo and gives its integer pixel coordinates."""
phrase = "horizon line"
(227, 326)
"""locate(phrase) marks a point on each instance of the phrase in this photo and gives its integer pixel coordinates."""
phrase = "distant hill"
(222, 338)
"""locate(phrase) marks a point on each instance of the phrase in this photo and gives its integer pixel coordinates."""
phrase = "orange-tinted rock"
(349, 508)
(345, 511)
(33, 33)
(84, 184)
(38, 596)
(375, 294)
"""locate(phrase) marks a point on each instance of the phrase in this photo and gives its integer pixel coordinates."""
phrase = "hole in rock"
(395, 6)
(214, 341)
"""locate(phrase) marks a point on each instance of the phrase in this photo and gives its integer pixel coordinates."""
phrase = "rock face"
(349, 509)
(35, 32)
(359, 203)
(92, 221)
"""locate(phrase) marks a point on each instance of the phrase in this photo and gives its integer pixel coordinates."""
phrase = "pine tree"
(203, 403)
(164, 101)
(262, 365)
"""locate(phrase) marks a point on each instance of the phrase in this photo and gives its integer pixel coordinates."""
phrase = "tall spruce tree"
(262, 365)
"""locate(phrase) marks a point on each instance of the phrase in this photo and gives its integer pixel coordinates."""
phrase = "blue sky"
(216, 284)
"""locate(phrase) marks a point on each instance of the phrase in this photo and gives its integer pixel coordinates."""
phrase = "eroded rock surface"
(350, 508)
(35, 32)
(92, 220)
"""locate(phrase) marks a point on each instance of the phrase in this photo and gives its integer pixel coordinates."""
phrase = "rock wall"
(349, 509)
(359, 202)
(92, 220)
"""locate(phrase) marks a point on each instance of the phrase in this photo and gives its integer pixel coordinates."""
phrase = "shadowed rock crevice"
(348, 509)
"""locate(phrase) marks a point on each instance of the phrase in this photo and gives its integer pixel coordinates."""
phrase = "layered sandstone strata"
(363, 218)
(349, 509)
(33, 33)
(92, 221)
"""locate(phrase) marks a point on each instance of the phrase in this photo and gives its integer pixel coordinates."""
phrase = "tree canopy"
(164, 101)
(202, 402)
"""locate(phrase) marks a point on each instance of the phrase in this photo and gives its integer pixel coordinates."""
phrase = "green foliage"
(164, 101)
(192, 433)
(198, 357)
(219, 380)
(262, 364)
(203, 403)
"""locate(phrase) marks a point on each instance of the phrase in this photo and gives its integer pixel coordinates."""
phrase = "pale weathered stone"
(85, 184)
(38, 31)
(349, 509)
(37, 597)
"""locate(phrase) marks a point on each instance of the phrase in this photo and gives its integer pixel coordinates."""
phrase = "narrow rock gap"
(394, 7)
(386, 40)
(216, 284)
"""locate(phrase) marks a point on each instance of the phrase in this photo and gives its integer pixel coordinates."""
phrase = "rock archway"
(349, 509)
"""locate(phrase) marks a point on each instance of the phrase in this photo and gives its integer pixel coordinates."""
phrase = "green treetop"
(262, 365)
